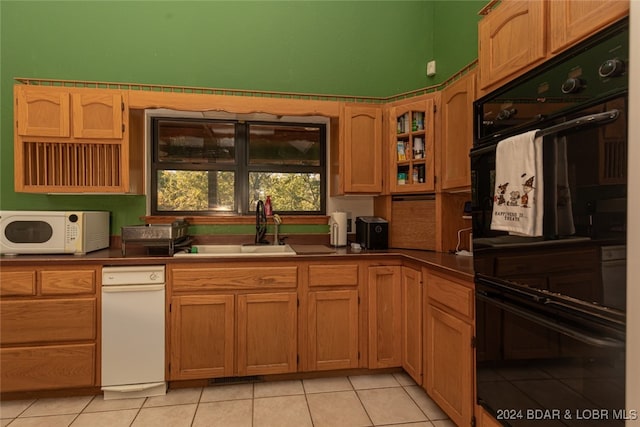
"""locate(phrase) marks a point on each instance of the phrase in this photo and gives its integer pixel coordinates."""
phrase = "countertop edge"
(447, 263)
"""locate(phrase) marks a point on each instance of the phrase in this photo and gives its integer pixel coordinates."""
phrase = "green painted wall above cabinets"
(372, 48)
(455, 32)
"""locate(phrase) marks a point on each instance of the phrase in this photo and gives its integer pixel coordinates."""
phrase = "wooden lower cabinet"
(332, 325)
(412, 322)
(48, 327)
(385, 316)
(449, 362)
(483, 419)
(202, 336)
(48, 367)
(267, 333)
(225, 335)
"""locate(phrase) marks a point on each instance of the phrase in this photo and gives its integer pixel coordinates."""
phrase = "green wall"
(360, 48)
(455, 32)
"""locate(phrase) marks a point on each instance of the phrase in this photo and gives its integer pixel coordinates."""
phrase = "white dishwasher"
(133, 331)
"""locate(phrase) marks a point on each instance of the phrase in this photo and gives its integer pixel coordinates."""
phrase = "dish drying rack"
(161, 238)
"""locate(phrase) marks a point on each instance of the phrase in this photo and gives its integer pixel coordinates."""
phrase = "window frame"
(240, 167)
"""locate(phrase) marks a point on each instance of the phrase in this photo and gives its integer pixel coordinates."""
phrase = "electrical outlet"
(431, 68)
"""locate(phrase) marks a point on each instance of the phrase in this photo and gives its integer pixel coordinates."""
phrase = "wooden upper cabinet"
(54, 111)
(97, 114)
(511, 38)
(42, 112)
(457, 133)
(75, 140)
(411, 144)
(571, 21)
(360, 149)
(520, 34)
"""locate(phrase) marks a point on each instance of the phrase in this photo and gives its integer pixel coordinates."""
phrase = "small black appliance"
(372, 232)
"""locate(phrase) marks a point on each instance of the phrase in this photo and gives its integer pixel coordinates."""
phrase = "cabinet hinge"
(169, 308)
(358, 299)
(122, 105)
(473, 421)
(435, 108)
(297, 359)
(474, 342)
(298, 302)
(358, 355)
(123, 128)
(169, 367)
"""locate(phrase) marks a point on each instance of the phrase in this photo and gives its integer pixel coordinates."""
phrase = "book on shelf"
(402, 155)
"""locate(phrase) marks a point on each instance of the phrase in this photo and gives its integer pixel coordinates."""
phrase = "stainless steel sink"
(237, 251)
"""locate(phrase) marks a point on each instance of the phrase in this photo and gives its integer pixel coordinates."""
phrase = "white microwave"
(53, 232)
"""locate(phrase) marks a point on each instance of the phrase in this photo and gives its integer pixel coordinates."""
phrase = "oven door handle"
(572, 332)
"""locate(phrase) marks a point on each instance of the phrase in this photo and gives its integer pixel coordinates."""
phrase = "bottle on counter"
(268, 210)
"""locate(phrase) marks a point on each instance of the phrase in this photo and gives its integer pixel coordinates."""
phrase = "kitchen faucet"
(261, 223)
(276, 223)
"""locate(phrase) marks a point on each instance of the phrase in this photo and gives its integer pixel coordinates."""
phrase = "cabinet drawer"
(53, 320)
(48, 367)
(66, 282)
(237, 278)
(450, 294)
(333, 275)
(17, 283)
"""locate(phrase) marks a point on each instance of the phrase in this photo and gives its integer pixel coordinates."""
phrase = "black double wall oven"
(550, 309)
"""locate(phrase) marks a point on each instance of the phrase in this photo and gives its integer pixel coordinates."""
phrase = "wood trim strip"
(246, 219)
(488, 7)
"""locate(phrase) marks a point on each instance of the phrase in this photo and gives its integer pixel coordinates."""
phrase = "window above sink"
(206, 166)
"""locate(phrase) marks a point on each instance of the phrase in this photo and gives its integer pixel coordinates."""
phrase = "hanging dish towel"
(518, 200)
(564, 222)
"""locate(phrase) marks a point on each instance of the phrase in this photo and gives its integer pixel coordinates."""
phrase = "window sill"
(240, 220)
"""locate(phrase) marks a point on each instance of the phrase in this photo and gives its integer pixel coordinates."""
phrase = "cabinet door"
(510, 38)
(48, 367)
(449, 364)
(571, 21)
(361, 149)
(98, 114)
(457, 133)
(412, 136)
(332, 322)
(42, 111)
(267, 332)
(412, 323)
(385, 320)
(202, 336)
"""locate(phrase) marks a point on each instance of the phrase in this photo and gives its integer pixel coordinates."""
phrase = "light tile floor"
(354, 401)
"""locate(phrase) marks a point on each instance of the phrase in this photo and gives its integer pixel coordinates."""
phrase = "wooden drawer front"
(333, 275)
(47, 320)
(17, 283)
(66, 282)
(451, 294)
(234, 278)
(49, 367)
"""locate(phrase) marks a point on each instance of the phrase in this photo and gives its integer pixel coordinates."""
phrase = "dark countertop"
(447, 263)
